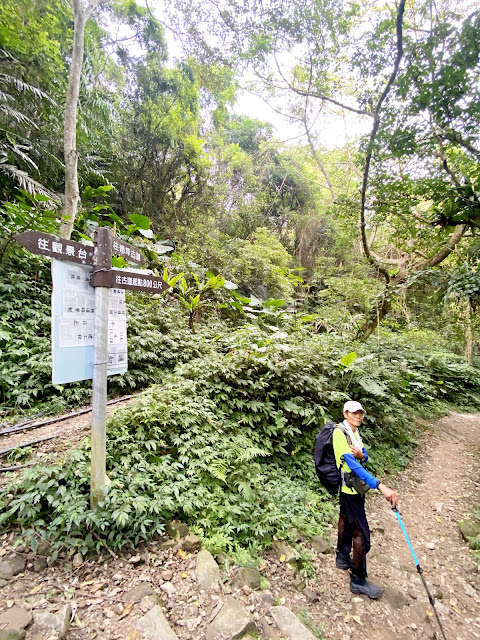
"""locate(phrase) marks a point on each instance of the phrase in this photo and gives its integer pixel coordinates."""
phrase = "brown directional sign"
(46, 244)
(127, 251)
(122, 279)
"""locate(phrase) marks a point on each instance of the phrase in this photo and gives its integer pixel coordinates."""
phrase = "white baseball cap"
(353, 406)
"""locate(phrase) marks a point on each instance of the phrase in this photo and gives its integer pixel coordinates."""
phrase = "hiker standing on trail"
(353, 529)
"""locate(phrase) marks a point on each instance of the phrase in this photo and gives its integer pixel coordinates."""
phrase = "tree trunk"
(468, 333)
(370, 325)
(70, 118)
(405, 309)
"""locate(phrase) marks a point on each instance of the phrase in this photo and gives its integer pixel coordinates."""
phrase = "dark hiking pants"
(353, 531)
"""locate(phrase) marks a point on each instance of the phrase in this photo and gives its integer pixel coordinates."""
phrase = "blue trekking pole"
(431, 599)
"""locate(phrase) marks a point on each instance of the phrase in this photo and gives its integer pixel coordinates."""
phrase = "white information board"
(73, 321)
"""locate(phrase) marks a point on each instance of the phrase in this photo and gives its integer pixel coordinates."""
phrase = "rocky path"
(169, 589)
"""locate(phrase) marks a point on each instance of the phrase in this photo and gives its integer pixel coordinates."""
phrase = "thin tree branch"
(376, 123)
(422, 219)
(456, 137)
(391, 261)
(320, 96)
(312, 146)
(372, 238)
(315, 94)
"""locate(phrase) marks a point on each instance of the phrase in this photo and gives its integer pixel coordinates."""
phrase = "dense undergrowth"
(225, 441)
(222, 438)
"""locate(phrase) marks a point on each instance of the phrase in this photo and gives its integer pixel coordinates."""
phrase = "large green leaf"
(348, 359)
(142, 222)
(274, 302)
(163, 248)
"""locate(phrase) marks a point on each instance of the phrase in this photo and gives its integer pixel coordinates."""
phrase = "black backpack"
(324, 457)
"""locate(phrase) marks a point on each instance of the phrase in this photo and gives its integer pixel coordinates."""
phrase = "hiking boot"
(360, 586)
(343, 562)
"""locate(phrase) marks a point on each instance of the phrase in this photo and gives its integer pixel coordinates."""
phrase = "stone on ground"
(169, 588)
(283, 551)
(469, 529)
(321, 545)
(310, 594)
(299, 583)
(232, 623)
(248, 576)
(191, 543)
(12, 565)
(442, 609)
(383, 558)
(59, 621)
(167, 544)
(382, 634)
(12, 634)
(176, 529)
(268, 631)
(395, 597)
(289, 625)
(418, 614)
(148, 602)
(208, 572)
(138, 592)
(15, 618)
(43, 547)
(266, 598)
(428, 632)
(39, 564)
(155, 625)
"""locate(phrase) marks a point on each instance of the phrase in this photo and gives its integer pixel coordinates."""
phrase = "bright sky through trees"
(333, 127)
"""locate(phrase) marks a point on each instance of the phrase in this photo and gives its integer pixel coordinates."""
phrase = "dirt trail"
(436, 491)
(69, 432)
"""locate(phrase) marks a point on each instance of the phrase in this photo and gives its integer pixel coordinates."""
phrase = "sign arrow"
(127, 251)
(45, 244)
(133, 280)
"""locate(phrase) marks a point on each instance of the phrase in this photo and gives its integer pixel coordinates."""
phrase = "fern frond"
(24, 87)
(20, 117)
(24, 180)
(5, 97)
(17, 150)
(218, 470)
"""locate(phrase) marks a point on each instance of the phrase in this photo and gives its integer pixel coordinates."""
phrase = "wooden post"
(103, 261)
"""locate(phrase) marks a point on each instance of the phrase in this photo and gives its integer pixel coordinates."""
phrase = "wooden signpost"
(103, 278)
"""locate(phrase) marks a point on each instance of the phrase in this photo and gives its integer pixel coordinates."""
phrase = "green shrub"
(225, 441)
(25, 320)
